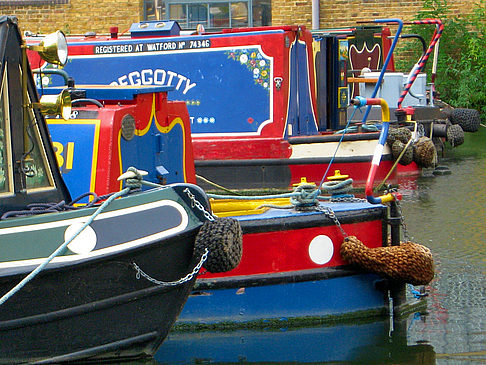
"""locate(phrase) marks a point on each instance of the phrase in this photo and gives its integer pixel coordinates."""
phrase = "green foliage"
(461, 67)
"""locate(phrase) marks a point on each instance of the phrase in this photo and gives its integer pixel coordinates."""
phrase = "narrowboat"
(102, 281)
(267, 104)
(270, 104)
(296, 265)
(291, 242)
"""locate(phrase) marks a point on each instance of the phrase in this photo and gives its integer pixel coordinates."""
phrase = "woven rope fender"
(468, 119)
(455, 135)
(223, 238)
(398, 134)
(409, 262)
(424, 152)
(397, 148)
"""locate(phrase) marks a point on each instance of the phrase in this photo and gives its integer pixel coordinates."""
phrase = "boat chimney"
(114, 32)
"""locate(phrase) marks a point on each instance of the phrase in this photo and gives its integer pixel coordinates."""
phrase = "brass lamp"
(53, 48)
(59, 104)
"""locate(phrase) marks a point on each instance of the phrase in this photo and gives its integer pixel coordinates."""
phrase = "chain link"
(347, 199)
(330, 214)
(198, 205)
(399, 208)
(183, 280)
(402, 221)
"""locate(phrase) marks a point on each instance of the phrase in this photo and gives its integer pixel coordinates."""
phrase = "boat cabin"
(28, 168)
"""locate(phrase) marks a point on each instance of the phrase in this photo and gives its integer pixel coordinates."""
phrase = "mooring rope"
(337, 148)
(254, 197)
(212, 183)
(338, 187)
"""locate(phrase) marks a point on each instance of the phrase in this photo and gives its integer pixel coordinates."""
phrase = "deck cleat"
(337, 176)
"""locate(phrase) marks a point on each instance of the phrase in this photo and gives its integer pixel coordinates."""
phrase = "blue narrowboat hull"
(322, 293)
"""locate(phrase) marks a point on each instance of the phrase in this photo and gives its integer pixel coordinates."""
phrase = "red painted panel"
(282, 251)
(358, 171)
(239, 148)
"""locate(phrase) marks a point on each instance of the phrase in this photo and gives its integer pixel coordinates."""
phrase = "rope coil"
(338, 188)
(305, 196)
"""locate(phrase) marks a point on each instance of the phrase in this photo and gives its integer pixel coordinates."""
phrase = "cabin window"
(213, 15)
(190, 14)
(35, 165)
(261, 13)
(6, 183)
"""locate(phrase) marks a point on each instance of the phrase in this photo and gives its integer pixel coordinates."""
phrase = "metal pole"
(315, 14)
(397, 290)
(395, 221)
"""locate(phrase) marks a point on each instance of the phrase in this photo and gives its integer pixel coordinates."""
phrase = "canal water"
(448, 214)
(445, 212)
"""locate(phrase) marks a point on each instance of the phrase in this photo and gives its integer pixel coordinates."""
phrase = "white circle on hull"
(321, 249)
(84, 242)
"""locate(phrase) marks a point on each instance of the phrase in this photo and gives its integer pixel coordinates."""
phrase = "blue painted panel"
(226, 90)
(74, 145)
(300, 114)
(156, 148)
(325, 297)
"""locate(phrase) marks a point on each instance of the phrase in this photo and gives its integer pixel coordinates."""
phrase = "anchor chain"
(402, 219)
(330, 214)
(183, 280)
(196, 203)
(347, 199)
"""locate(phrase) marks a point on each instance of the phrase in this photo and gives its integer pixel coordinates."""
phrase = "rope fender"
(223, 238)
(468, 119)
(424, 152)
(409, 262)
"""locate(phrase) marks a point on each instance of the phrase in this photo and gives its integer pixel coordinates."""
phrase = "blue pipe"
(387, 60)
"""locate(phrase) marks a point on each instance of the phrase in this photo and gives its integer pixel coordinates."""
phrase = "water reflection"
(359, 343)
(448, 214)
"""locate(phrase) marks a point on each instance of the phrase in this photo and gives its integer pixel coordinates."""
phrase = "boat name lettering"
(202, 120)
(151, 47)
(156, 77)
(64, 155)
